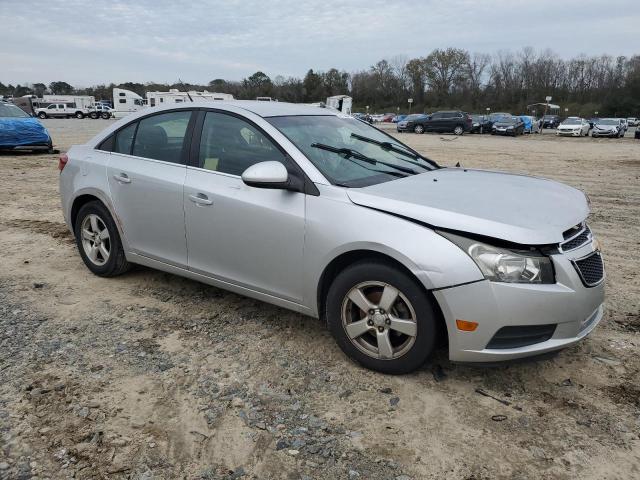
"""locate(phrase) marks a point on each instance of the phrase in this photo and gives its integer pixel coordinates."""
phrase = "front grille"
(521, 336)
(583, 237)
(590, 269)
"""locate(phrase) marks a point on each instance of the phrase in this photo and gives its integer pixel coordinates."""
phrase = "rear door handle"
(200, 199)
(122, 177)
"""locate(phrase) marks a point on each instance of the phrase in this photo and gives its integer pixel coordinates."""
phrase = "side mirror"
(267, 175)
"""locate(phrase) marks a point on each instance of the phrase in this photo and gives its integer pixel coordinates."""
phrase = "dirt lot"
(153, 376)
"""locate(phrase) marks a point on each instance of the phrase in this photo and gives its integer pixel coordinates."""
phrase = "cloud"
(86, 43)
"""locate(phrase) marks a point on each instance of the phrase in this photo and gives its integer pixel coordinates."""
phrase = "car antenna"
(187, 91)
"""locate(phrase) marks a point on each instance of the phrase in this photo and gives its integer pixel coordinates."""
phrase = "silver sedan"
(320, 213)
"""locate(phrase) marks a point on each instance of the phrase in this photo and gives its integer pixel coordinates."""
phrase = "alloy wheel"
(95, 239)
(458, 130)
(379, 320)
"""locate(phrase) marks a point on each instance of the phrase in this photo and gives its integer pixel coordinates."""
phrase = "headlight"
(505, 265)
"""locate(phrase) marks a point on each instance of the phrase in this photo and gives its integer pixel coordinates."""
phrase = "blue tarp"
(16, 132)
(18, 129)
(527, 123)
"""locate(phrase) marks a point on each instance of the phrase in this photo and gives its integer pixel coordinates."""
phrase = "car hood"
(516, 208)
(605, 127)
(505, 124)
(568, 127)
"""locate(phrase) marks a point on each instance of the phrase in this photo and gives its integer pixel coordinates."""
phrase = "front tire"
(79, 115)
(458, 130)
(106, 116)
(42, 115)
(381, 317)
(98, 241)
(418, 129)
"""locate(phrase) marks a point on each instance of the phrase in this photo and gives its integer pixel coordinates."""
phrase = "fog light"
(466, 326)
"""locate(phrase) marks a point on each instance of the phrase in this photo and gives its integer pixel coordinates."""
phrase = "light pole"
(546, 106)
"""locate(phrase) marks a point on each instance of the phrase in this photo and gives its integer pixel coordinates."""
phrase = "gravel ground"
(151, 376)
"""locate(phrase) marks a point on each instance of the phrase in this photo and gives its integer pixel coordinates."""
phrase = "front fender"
(434, 260)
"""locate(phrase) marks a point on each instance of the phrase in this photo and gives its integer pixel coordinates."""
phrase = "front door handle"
(200, 199)
(122, 177)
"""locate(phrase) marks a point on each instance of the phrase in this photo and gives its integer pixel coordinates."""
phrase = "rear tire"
(79, 115)
(106, 116)
(99, 242)
(93, 115)
(379, 345)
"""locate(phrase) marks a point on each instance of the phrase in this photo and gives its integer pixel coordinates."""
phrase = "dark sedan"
(508, 126)
(480, 123)
(409, 123)
(550, 121)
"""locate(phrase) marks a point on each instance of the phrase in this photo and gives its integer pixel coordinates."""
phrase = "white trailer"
(79, 102)
(176, 96)
(125, 102)
(341, 103)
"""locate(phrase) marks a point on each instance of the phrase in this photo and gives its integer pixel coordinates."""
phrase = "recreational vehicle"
(341, 103)
(176, 96)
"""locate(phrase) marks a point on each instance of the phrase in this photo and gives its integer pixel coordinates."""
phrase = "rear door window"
(161, 137)
(124, 139)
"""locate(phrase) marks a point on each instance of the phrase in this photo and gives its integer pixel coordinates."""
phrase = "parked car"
(21, 131)
(399, 118)
(625, 125)
(636, 135)
(513, 126)
(495, 116)
(573, 127)
(100, 110)
(608, 127)
(62, 110)
(388, 117)
(409, 123)
(456, 122)
(365, 117)
(632, 121)
(550, 121)
(325, 215)
(531, 124)
(480, 123)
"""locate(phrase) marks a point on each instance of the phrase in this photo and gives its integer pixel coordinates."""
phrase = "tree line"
(445, 78)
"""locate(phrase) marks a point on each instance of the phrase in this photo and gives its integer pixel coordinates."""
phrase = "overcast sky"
(86, 43)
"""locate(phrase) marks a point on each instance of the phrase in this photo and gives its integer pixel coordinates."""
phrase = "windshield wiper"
(349, 152)
(394, 147)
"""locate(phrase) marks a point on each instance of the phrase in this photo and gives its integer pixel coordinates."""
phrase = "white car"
(574, 127)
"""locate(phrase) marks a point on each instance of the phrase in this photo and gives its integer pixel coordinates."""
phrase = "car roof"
(277, 109)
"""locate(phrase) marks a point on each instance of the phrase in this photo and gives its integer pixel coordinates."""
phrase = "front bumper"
(569, 133)
(574, 308)
(605, 133)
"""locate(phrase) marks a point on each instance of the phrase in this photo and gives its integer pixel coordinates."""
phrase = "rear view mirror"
(266, 175)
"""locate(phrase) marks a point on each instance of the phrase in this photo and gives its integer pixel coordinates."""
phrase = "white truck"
(125, 102)
(63, 106)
